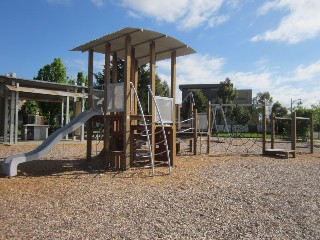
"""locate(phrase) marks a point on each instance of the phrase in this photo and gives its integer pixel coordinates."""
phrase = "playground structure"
(293, 137)
(117, 105)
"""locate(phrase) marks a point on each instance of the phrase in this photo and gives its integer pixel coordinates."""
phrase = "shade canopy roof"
(140, 41)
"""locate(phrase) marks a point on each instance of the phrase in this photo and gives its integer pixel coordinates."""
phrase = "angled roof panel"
(140, 40)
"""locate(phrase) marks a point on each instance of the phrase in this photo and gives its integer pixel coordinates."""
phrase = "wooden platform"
(282, 152)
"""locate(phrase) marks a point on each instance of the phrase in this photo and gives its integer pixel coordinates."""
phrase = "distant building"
(210, 91)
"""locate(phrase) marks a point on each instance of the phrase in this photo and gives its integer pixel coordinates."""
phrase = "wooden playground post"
(173, 150)
(272, 129)
(152, 81)
(126, 114)
(293, 132)
(311, 133)
(106, 119)
(90, 103)
(178, 120)
(195, 133)
(264, 128)
(208, 127)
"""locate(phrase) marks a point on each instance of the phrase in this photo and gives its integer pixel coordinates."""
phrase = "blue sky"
(260, 45)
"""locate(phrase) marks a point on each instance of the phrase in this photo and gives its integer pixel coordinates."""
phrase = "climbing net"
(236, 129)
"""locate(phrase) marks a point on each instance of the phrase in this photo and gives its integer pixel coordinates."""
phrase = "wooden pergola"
(136, 47)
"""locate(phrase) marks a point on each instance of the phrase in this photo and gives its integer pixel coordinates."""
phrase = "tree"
(240, 115)
(29, 108)
(200, 103)
(263, 97)
(281, 126)
(279, 110)
(226, 92)
(54, 72)
(81, 79)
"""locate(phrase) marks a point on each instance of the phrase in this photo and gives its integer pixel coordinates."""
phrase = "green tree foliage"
(263, 97)
(281, 126)
(240, 115)
(303, 126)
(54, 72)
(29, 108)
(200, 103)
(316, 116)
(81, 79)
(226, 92)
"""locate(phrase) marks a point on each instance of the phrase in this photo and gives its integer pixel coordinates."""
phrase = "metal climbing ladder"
(164, 142)
(147, 134)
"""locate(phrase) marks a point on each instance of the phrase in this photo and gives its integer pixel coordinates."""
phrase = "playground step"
(284, 152)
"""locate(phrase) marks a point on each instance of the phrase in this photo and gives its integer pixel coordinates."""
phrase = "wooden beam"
(173, 151)
(264, 128)
(273, 122)
(90, 103)
(126, 114)
(208, 127)
(293, 132)
(311, 134)
(152, 83)
(106, 145)
(195, 134)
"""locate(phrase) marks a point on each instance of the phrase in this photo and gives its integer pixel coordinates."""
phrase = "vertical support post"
(126, 115)
(62, 112)
(90, 103)
(136, 78)
(311, 134)
(16, 116)
(173, 150)
(106, 119)
(195, 134)
(115, 68)
(272, 129)
(293, 132)
(82, 110)
(152, 83)
(6, 119)
(208, 127)
(178, 119)
(132, 78)
(67, 113)
(264, 128)
(12, 106)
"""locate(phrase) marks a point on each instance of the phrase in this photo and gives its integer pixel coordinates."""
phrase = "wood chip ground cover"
(216, 196)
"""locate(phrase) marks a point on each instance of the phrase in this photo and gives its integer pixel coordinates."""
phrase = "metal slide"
(11, 163)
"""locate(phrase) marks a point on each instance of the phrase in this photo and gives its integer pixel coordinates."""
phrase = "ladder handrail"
(163, 129)
(146, 128)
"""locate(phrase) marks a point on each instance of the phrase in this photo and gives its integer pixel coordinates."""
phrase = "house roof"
(140, 41)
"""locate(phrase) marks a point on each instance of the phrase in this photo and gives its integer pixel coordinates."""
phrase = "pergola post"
(67, 114)
(12, 107)
(6, 113)
(152, 84)
(62, 112)
(106, 119)
(173, 150)
(16, 116)
(90, 103)
(126, 114)
(82, 110)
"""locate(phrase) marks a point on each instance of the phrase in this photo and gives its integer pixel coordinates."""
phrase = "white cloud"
(302, 22)
(187, 14)
(98, 3)
(305, 73)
